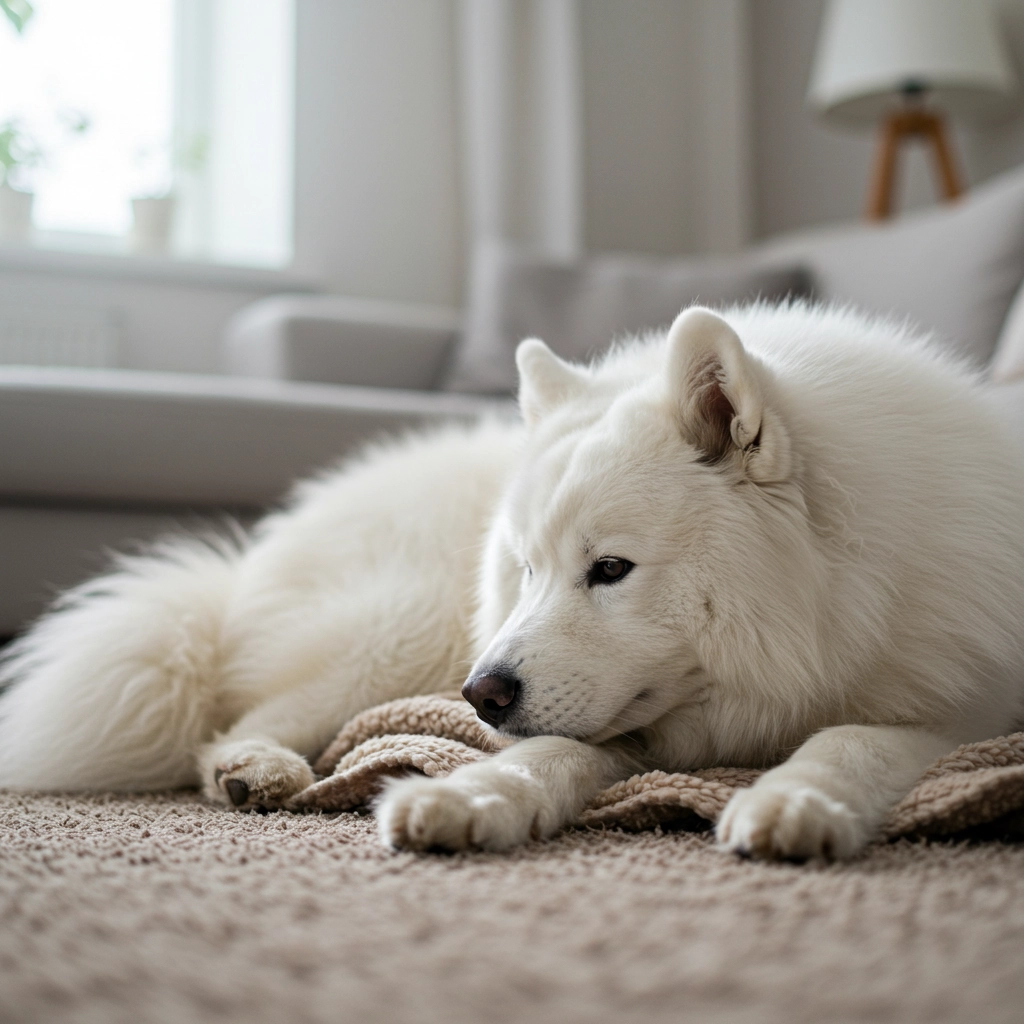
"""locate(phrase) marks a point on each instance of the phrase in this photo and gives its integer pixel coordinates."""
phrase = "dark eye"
(608, 570)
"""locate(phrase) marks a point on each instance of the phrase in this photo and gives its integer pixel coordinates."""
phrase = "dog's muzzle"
(493, 695)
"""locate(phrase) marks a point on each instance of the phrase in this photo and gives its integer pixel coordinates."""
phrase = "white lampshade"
(869, 51)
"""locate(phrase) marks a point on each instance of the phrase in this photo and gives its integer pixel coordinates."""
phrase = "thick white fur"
(360, 591)
(825, 521)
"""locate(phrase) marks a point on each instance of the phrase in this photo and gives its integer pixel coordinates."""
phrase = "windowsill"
(53, 255)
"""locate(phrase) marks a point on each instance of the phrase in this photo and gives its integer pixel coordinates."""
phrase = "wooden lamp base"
(911, 123)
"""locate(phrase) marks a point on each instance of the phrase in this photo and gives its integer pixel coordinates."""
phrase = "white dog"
(766, 532)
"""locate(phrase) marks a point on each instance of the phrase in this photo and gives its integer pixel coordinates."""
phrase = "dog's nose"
(492, 695)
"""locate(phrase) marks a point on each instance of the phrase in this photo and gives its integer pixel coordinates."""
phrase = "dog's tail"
(116, 686)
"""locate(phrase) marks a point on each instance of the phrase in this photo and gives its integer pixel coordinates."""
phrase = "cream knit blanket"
(978, 787)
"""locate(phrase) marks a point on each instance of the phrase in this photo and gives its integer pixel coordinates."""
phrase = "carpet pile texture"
(161, 908)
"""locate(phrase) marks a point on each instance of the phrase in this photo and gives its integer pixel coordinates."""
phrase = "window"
(183, 104)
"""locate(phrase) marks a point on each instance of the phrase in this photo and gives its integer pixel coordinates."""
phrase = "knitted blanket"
(978, 788)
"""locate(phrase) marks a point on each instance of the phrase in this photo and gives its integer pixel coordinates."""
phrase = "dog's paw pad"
(238, 791)
(783, 821)
(253, 774)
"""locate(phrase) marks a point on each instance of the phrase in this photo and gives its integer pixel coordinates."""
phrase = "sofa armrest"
(138, 439)
(333, 340)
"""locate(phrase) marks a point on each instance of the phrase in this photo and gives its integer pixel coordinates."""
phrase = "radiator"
(63, 336)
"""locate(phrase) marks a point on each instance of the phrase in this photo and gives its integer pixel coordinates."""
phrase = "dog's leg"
(832, 795)
(264, 758)
(528, 791)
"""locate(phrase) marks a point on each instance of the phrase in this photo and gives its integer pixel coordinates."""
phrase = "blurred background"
(359, 147)
(240, 237)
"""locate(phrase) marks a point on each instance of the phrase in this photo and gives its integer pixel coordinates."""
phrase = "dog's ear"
(545, 381)
(719, 393)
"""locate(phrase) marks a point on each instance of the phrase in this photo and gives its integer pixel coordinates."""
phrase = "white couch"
(94, 459)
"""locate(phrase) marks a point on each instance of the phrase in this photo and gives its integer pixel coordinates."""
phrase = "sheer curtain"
(521, 122)
(520, 74)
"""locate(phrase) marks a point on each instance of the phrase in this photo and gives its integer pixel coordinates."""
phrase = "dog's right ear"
(545, 381)
(721, 397)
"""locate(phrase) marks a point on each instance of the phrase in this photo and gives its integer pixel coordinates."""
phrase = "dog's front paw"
(480, 807)
(789, 820)
(252, 773)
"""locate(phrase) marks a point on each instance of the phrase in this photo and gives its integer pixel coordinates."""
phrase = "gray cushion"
(332, 340)
(953, 269)
(579, 308)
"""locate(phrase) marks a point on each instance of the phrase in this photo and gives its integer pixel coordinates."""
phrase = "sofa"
(95, 460)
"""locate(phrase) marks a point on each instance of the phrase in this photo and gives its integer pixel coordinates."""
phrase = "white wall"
(380, 195)
(638, 171)
(665, 124)
(695, 137)
(159, 324)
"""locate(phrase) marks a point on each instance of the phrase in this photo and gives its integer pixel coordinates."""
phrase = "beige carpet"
(164, 909)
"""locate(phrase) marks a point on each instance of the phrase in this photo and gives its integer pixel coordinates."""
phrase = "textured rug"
(164, 909)
(979, 786)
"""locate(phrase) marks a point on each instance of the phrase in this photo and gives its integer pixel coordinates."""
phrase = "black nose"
(492, 695)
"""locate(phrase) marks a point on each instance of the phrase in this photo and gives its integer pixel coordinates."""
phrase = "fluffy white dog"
(789, 535)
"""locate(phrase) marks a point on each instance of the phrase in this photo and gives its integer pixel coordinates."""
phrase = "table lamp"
(906, 63)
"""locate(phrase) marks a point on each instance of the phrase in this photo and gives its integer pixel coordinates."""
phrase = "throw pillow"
(579, 308)
(952, 269)
(1008, 358)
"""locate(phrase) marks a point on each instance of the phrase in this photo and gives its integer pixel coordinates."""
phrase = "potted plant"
(152, 220)
(18, 153)
(17, 13)
(153, 210)
(17, 150)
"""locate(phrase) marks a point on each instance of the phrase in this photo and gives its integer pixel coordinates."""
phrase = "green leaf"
(18, 12)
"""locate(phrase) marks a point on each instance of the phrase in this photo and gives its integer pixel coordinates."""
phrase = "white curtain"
(520, 72)
(723, 127)
(520, 78)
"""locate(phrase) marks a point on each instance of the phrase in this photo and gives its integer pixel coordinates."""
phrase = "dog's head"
(645, 519)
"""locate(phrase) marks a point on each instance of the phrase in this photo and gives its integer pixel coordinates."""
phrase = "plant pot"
(15, 214)
(152, 220)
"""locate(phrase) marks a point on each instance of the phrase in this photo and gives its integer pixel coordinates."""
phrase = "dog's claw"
(238, 791)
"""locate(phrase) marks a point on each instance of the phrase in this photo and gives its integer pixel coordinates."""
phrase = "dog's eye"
(608, 570)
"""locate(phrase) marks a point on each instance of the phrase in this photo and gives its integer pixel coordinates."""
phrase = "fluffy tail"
(116, 686)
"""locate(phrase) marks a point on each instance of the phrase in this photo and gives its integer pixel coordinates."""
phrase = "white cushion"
(1008, 358)
(952, 269)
